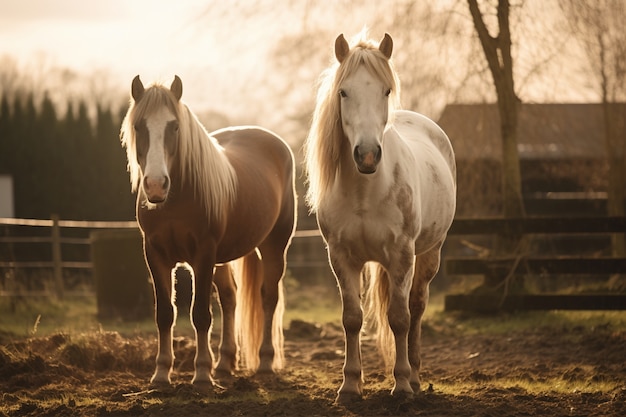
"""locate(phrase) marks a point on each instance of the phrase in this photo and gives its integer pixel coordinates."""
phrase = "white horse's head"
(364, 100)
(156, 129)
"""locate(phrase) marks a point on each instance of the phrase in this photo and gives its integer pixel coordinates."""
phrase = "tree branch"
(488, 42)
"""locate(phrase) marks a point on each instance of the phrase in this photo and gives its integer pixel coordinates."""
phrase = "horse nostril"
(360, 154)
(155, 184)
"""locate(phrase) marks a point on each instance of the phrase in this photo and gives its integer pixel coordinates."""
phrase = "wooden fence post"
(56, 257)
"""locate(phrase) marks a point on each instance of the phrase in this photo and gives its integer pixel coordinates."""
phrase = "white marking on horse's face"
(364, 113)
(156, 145)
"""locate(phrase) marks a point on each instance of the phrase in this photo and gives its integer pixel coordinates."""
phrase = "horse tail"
(248, 272)
(249, 315)
(278, 339)
(376, 282)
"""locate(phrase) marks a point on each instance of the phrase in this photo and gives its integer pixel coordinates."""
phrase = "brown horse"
(207, 200)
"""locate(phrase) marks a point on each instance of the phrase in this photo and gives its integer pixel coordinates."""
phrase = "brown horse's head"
(151, 137)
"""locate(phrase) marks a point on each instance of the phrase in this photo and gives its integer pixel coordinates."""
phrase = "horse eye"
(343, 94)
(388, 92)
(142, 146)
(139, 126)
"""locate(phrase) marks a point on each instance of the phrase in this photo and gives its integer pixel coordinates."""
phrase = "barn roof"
(545, 131)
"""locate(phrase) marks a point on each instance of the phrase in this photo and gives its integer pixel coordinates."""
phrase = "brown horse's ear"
(136, 89)
(177, 87)
(386, 46)
(341, 48)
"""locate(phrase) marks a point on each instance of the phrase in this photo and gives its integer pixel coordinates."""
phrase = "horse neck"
(206, 170)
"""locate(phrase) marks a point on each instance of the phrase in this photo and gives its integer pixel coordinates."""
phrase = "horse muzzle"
(156, 188)
(367, 158)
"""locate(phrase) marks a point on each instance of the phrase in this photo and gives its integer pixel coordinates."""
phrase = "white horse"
(383, 185)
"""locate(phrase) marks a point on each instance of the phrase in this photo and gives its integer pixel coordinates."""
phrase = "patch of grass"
(39, 316)
(43, 316)
(314, 304)
(563, 387)
(503, 323)
(535, 388)
(17, 404)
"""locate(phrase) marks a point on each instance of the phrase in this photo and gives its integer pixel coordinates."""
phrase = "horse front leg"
(348, 278)
(227, 291)
(399, 321)
(426, 267)
(165, 315)
(201, 318)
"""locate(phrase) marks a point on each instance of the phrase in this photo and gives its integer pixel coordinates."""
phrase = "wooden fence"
(499, 268)
(312, 255)
(56, 241)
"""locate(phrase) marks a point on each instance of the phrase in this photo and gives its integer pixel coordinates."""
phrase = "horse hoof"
(402, 395)
(417, 387)
(160, 386)
(201, 378)
(265, 371)
(222, 374)
(207, 387)
(347, 398)
(267, 377)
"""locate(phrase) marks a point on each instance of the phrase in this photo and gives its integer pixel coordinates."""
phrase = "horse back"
(414, 126)
(266, 198)
(434, 175)
(255, 147)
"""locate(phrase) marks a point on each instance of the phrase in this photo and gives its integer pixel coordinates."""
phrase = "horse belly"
(437, 211)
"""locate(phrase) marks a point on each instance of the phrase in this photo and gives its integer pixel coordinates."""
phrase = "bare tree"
(599, 28)
(497, 50)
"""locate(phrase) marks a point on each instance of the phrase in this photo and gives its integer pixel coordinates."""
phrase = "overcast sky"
(153, 38)
(139, 35)
(221, 65)
(156, 39)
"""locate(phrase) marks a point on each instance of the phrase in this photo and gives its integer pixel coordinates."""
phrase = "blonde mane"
(201, 159)
(323, 145)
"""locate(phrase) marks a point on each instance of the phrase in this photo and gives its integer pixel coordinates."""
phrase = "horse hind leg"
(273, 253)
(426, 267)
(271, 352)
(227, 291)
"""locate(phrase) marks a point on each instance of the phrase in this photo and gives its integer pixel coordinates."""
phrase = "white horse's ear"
(177, 87)
(341, 48)
(136, 89)
(386, 46)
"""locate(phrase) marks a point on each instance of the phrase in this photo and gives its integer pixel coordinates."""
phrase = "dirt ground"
(543, 371)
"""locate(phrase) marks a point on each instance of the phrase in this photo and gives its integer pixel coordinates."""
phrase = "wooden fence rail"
(56, 240)
(501, 267)
(451, 265)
